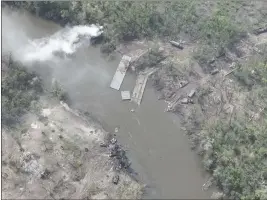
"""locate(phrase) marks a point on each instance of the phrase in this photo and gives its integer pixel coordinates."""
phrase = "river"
(159, 150)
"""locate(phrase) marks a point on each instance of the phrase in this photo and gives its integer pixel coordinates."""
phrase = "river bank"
(228, 100)
(214, 107)
(49, 150)
(61, 154)
(143, 140)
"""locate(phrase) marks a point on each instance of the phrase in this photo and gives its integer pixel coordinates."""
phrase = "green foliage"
(260, 72)
(58, 92)
(244, 76)
(19, 89)
(132, 19)
(128, 20)
(254, 72)
(219, 30)
(180, 16)
(238, 157)
(123, 20)
(217, 33)
(150, 59)
(108, 47)
(203, 55)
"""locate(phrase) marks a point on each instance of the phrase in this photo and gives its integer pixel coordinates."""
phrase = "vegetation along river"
(159, 150)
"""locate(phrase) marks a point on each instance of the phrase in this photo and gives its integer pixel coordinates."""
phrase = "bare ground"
(63, 154)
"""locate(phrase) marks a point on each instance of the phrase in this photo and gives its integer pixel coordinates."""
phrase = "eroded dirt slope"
(63, 155)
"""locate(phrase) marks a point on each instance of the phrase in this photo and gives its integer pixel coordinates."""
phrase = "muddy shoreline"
(121, 161)
(202, 96)
(35, 165)
(57, 148)
(199, 90)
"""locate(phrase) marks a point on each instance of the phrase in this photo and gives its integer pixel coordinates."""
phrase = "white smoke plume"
(66, 41)
(55, 51)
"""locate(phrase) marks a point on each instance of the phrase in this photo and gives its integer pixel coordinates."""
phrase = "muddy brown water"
(159, 150)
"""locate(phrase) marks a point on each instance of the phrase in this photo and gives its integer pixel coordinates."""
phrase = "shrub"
(237, 156)
(204, 55)
(150, 59)
(122, 20)
(19, 88)
(253, 72)
(219, 30)
(58, 92)
(108, 47)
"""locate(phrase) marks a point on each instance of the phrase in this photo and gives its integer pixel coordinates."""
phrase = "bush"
(58, 92)
(237, 156)
(219, 30)
(122, 20)
(128, 20)
(150, 59)
(204, 55)
(108, 47)
(180, 16)
(19, 89)
(254, 72)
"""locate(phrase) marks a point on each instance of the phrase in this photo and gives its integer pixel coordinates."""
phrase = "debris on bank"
(191, 93)
(135, 60)
(118, 155)
(120, 72)
(186, 101)
(177, 44)
(71, 165)
(116, 130)
(183, 83)
(215, 71)
(125, 95)
(260, 30)
(116, 179)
